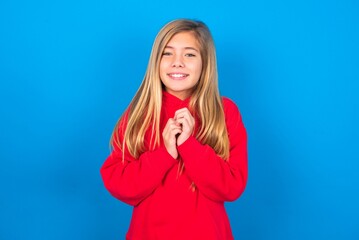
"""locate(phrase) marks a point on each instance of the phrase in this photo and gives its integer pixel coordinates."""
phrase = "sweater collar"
(170, 100)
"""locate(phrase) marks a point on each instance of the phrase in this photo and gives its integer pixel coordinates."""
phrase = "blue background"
(69, 68)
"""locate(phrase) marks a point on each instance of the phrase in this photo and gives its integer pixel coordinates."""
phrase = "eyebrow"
(187, 48)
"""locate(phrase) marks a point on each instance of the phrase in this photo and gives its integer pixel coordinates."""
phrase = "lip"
(177, 75)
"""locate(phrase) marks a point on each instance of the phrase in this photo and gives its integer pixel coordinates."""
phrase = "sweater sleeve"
(132, 180)
(215, 178)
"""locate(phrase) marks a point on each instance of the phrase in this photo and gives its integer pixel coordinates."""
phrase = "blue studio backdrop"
(68, 69)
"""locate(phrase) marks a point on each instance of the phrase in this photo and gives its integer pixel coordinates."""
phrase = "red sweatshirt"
(165, 206)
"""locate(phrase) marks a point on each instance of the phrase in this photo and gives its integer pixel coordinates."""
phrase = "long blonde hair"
(144, 110)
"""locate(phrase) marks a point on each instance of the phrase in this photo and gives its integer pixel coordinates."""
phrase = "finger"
(184, 113)
(187, 116)
(181, 111)
(174, 132)
(168, 131)
(170, 122)
(186, 125)
(171, 137)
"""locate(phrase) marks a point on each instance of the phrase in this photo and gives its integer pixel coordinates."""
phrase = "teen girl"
(180, 150)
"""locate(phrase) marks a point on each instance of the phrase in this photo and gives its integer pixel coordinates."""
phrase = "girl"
(180, 150)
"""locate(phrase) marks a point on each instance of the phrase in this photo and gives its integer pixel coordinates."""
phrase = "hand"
(184, 118)
(169, 135)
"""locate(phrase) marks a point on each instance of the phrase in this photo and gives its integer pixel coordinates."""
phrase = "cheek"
(164, 64)
(198, 69)
(162, 67)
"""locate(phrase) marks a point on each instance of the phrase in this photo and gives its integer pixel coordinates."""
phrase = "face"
(181, 65)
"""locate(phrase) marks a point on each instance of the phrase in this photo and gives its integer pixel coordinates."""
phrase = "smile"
(178, 75)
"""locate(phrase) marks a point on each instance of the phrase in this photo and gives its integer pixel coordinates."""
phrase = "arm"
(215, 178)
(132, 180)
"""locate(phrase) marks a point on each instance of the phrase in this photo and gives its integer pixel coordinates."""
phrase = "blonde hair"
(144, 110)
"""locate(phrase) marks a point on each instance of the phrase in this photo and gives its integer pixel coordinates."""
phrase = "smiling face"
(181, 65)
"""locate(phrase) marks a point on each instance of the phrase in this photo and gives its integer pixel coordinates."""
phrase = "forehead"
(184, 40)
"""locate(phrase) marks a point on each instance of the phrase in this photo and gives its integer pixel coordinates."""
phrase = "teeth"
(178, 75)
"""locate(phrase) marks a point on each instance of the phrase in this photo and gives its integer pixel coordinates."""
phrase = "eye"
(190, 55)
(166, 54)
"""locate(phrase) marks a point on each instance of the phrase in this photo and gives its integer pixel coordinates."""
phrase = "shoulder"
(227, 102)
(231, 112)
(229, 106)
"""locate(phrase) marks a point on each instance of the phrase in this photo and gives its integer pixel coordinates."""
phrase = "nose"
(178, 62)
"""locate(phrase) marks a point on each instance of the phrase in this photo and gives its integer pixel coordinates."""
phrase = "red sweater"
(165, 206)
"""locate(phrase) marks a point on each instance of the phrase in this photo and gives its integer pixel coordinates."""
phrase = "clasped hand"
(177, 130)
